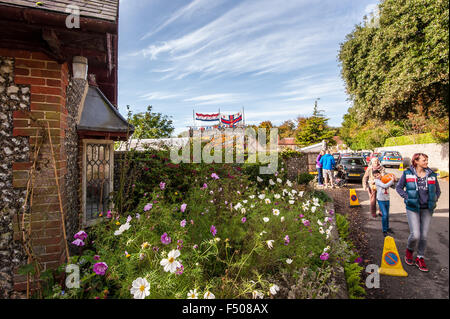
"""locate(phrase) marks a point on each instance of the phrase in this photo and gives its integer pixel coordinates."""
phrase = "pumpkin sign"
(386, 178)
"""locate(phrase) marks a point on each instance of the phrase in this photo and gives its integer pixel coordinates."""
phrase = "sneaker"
(420, 262)
(390, 231)
(409, 257)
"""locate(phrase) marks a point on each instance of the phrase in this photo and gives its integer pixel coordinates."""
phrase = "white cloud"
(215, 99)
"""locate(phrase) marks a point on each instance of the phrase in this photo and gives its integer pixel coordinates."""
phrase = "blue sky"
(274, 58)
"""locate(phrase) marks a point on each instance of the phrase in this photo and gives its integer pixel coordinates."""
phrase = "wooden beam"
(53, 42)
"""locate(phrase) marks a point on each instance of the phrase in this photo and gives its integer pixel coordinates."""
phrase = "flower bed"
(228, 236)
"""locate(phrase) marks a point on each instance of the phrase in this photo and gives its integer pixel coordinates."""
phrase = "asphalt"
(417, 285)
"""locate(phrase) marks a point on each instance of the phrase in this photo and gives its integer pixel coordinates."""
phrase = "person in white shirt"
(383, 200)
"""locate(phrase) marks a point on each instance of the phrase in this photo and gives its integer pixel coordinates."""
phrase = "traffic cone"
(353, 198)
(391, 263)
(401, 167)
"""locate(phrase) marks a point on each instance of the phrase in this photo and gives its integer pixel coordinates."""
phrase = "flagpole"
(193, 118)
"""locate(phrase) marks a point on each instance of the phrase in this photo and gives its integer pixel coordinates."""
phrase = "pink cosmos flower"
(195, 246)
(80, 235)
(306, 223)
(180, 269)
(78, 242)
(215, 176)
(162, 185)
(183, 207)
(96, 257)
(165, 239)
(129, 218)
(100, 268)
(108, 214)
(213, 230)
(183, 223)
(324, 256)
(148, 207)
(205, 186)
(243, 220)
(286, 240)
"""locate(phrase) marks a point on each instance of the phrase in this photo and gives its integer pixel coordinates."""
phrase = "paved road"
(418, 285)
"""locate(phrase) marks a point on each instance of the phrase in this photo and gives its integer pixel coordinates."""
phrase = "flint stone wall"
(12, 149)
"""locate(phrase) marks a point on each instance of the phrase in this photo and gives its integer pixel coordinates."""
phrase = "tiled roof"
(100, 9)
(287, 141)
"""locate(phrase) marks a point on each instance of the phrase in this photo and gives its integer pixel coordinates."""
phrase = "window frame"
(87, 223)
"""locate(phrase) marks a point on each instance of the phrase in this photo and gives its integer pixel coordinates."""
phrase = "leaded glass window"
(97, 178)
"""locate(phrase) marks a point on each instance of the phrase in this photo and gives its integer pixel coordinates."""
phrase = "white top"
(383, 189)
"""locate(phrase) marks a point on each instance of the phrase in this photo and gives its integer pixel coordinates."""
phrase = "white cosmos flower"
(245, 201)
(261, 196)
(271, 182)
(328, 231)
(267, 200)
(313, 209)
(276, 212)
(330, 228)
(209, 295)
(277, 196)
(289, 261)
(288, 183)
(140, 288)
(265, 219)
(251, 196)
(319, 222)
(279, 180)
(321, 230)
(170, 263)
(285, 191)
(291, 202)
(238, 205)
(274, 289)
(301, 194)
(270, 243)
(316, 201)
(243, 210)
(293, 191)
(262, 233)
(252, 206)
(122, 228)
(257, 294)
(259, 179)
(326, 249)
(282, 219)
(192, 294)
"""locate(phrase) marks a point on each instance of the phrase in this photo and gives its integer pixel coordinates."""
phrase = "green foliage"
(353, 277)
(151, 125)
(314, 131)
(411, 139)
(304, 178)
(399, 59)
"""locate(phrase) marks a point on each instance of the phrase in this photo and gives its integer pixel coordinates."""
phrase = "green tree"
(151, 125)
(401, 59)
(286, 129)
(315, 130)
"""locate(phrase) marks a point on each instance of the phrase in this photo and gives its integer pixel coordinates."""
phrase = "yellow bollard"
(391, 264)
(353, 198)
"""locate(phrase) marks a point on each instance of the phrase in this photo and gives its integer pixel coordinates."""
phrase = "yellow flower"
(144, 245)
(128, 255)
(176, 193)
(117, 223)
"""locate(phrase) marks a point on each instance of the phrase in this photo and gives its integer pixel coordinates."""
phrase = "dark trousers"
(373, 201)
(320, 175)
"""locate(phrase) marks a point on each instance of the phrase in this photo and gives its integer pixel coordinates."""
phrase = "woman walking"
(422, 193)
(368, 183)
(319, 168)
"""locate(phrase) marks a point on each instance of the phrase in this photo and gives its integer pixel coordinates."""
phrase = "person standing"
(368, 183)
(319, 168)
(328, 164)
(383, 200)
(422, 193)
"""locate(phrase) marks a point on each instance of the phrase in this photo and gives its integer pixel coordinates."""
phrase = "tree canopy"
(151, 125)
(399, 60)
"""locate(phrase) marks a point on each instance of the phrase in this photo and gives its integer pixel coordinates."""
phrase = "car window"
(353, 161)
(392, 154)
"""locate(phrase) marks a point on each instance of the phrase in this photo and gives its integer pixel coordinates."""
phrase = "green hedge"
(424, 138)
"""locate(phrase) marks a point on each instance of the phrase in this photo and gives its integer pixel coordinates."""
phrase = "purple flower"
(96, 257)
(324, 256)
(183, 223)
(195, 246)
(165, 239)
(80, 235)
(138, 216)
(358, 260)
(213, 230)
(108, 214)
(148, 207)
(180, 269)
(243, 220)
(162, 185)
(78, 242)
(331, 212)
(215, 176)
(179, 244)
(205, 186)
(129, 218)
(100, 268)
(183, 207)
(306, 223)
(286, 240)
(301, 215)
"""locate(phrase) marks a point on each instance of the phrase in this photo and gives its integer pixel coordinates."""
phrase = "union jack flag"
(231, 120)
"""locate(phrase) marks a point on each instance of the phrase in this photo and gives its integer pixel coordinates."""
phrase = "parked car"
(336, 156)
(355, 166)
(365, 155)
(374, 154)
(390, 158)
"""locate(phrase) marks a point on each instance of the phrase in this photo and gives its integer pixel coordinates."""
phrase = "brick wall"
(47, 81)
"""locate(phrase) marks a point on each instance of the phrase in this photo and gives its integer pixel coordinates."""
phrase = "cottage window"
(97, 182)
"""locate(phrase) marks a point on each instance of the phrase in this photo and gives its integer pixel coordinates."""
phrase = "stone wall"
(303, 164)
(14, 151)
(437, 154)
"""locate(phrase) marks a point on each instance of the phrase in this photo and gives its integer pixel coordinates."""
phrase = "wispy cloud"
(216, 99)
(159, 96)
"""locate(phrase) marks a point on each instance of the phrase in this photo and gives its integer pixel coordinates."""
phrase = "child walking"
(383, 200)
